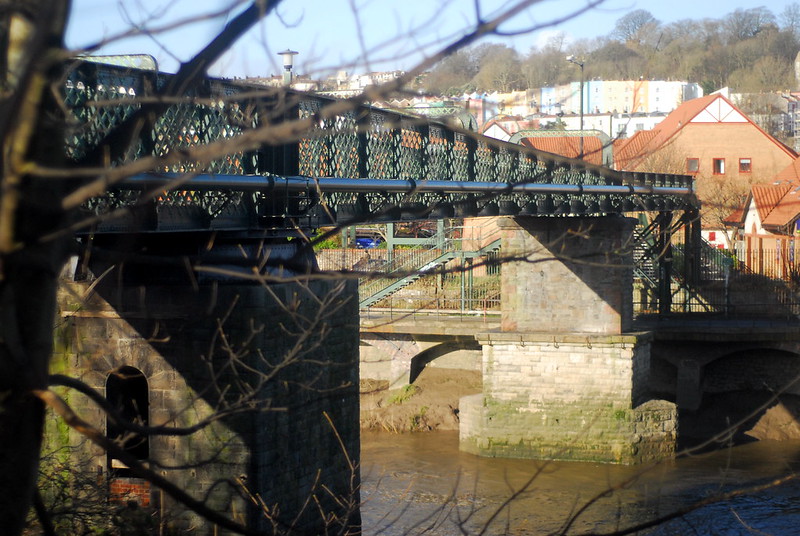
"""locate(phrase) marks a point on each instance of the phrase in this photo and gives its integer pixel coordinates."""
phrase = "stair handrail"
(425, 259)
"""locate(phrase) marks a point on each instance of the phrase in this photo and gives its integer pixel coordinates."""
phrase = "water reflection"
(421, 483)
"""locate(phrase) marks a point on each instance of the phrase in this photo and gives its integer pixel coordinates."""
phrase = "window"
(719, 166)
(692, 165)
(745, 165)
(126, 391)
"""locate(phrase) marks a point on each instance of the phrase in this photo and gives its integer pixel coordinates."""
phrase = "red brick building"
(706, 137)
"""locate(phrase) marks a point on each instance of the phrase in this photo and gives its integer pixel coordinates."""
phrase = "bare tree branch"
(61, 408)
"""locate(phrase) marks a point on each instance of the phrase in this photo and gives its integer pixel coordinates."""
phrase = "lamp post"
(573, 59)
(287, 65)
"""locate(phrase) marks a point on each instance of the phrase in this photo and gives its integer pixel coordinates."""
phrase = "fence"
(742, 283)
(752, 284)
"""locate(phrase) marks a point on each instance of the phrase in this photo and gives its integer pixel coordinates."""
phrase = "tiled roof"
(736, 218)
(631, 154)
(569, 146)
(644, 142)
(787, 209)
(791, 173)
(628, 150)
(682, 115)
(767, 196)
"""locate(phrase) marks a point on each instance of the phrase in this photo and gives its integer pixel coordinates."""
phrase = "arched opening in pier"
(747, 396)
(127, 392)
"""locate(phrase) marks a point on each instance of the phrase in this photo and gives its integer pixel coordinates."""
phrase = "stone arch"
(419, 361)
(128, 393)
(767, 368)
(663, 379)
(748, 395)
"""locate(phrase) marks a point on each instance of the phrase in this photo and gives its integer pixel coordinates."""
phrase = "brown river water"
(421, 484)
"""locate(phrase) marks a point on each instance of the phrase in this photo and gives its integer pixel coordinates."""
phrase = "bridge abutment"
(564, 378)
(271, 371)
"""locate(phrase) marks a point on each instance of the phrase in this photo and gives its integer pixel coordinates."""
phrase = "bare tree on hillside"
(634, 26)
(498, 68)
(790, 19)
(746, 23)
(452, 74)
(543, 67)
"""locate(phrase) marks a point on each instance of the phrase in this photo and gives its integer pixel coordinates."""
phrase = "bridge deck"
(666, 329)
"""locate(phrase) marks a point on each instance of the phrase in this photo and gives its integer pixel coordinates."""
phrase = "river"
(421, 484)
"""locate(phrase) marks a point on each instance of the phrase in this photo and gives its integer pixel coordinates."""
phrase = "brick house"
(766, 225)
(706, 137)
(709, 138)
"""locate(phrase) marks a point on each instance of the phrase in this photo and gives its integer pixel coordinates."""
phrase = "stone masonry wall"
(570, 397)
(281, 364)
(576, 275)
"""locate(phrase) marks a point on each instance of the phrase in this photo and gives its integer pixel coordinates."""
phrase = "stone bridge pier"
(564, 378)
(263, 376)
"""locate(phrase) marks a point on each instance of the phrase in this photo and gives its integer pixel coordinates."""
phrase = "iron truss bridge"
(361, 164)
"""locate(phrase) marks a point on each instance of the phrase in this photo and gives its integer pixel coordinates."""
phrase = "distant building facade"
(616, 96)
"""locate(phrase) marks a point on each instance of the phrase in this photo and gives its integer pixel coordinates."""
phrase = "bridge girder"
(358, 164)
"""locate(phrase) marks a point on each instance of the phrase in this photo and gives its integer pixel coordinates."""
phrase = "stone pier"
(565, 378)
(271, 371)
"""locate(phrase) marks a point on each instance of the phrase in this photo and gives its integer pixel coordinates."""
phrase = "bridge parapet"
(225, 150)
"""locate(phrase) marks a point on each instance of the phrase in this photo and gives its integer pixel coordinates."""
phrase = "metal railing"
(469, 282)
(360, 164)
(754, 284)
(455, 247)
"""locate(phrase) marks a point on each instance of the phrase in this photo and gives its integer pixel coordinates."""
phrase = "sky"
(396, 34)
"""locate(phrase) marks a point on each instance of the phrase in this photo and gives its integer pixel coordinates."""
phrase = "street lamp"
(287, 65)
(573, 59)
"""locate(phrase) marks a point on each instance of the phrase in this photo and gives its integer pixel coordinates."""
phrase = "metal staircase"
(687, 292)
(408, 266)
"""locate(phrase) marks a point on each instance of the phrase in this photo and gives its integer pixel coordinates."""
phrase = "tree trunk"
(31, 35)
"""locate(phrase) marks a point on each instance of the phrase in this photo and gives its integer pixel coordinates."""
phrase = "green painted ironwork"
(361, 142)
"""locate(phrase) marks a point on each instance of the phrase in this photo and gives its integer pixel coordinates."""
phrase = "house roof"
(791, 173)
(736, 218)
(778, 203)
(626, 150)
(786, 210)
(569, 146)
(767, 196)
(510, 124)
(495, 123)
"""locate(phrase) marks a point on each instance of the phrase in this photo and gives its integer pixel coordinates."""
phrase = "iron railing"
(409, 265)
(365, 164)
(755, 284)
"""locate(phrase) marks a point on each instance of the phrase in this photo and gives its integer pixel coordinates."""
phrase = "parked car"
(367, 243)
